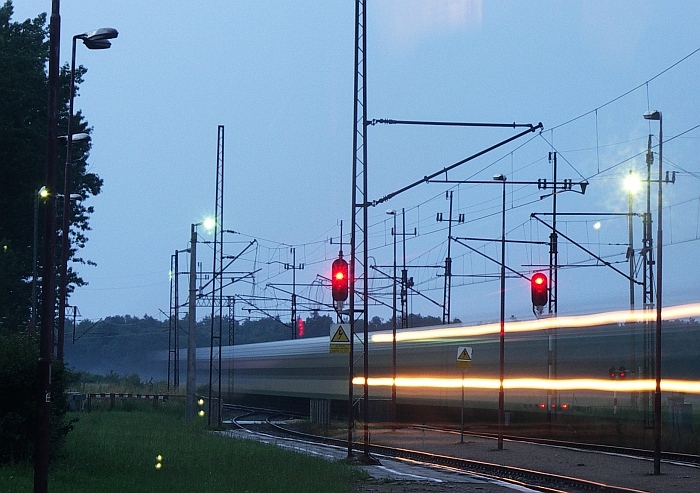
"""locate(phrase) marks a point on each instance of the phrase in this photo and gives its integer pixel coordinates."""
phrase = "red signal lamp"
(339, 280)
(538, 289)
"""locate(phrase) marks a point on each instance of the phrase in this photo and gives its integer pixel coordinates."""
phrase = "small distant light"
(201, 413)
(159, 466)
(159, 458)
(565, 406)
(596, 225)
(200, 402)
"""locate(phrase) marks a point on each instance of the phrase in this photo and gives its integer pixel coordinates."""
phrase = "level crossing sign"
(340, 338)
(464, 357)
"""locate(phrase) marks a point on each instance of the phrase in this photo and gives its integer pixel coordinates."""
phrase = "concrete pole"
(191, 386)
(501, 397)
(48, 306)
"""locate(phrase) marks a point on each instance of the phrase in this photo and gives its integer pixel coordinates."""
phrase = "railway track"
(669, 457)
(272, 422)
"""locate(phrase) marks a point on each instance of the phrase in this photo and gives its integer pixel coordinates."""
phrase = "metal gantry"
(358, 235)
(217, 281)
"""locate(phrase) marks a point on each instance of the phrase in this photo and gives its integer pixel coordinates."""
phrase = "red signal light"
(538, 288)
(617, 374)
(339, 280)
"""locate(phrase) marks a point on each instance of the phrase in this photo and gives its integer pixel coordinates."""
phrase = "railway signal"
(339, 280)
(619, 374)
(538, 289)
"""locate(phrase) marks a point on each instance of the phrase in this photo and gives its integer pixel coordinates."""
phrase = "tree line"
(128, 344)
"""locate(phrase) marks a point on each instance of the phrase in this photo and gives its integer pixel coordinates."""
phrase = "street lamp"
(392, 212)
(501, 397)
(656, 115)
(94, 40)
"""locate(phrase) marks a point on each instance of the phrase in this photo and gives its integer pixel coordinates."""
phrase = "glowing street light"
(632, 183)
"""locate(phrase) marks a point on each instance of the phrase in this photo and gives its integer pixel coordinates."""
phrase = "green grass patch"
(117, 452)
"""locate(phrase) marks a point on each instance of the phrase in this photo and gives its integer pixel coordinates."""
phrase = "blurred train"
(583, 350)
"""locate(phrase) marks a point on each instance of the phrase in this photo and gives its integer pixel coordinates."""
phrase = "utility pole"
(552, 357)
(630, 259)
(393, 324)
(406, 282)
(648, 283)
(231, 302)
(448, 261)
(293, 267)
(48, 306)
(191, 328)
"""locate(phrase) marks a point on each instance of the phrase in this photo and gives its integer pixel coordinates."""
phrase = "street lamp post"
(656, 115)
(392, 212)
(94, 40)
(501, 397)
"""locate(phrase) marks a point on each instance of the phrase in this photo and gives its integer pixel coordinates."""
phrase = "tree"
(23, 118)
(18, 355)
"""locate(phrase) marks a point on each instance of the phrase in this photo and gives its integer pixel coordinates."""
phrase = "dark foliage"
(18, 367)
(23, 132)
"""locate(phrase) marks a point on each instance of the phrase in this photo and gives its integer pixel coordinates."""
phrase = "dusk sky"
(279, 77)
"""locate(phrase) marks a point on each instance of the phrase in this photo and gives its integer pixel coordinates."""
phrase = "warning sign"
(340, 338)
(464, 357)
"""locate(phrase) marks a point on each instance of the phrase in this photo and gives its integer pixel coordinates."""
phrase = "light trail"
(574, 321)
(602, 385)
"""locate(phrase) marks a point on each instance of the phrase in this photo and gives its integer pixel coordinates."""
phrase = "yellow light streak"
(574, 321)
(669, 385)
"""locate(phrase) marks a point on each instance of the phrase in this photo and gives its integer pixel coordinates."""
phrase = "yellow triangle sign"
(340, 336)
(464, 356)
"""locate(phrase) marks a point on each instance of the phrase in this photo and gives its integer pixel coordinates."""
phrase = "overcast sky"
(279, 77)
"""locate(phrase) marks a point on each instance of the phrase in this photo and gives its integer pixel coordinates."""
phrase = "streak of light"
(574, 321)
(669, 385)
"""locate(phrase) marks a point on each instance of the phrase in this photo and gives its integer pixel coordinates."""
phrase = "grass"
(116, 452)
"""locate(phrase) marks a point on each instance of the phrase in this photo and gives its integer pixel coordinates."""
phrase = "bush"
(19, 354)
